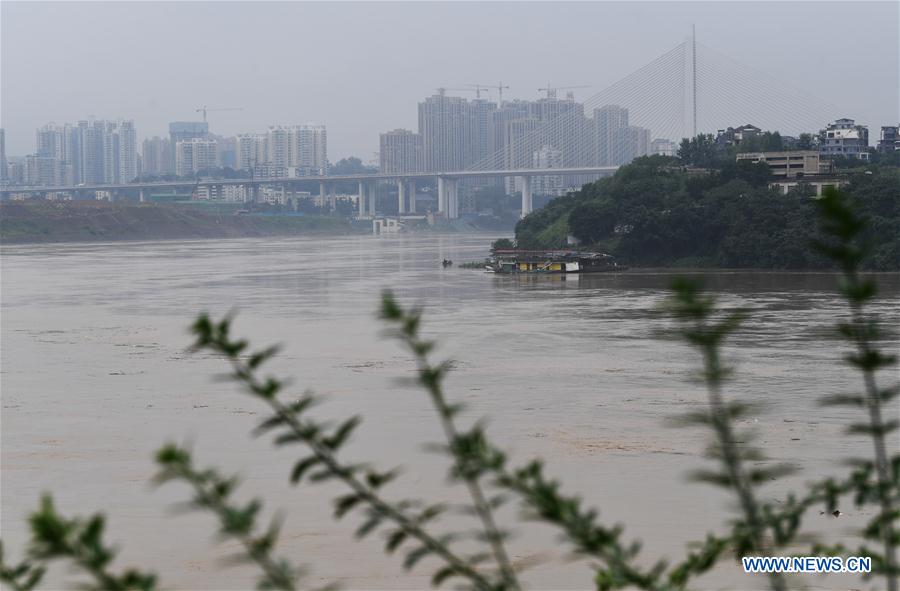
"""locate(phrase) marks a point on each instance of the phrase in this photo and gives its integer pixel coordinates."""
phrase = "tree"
(351, 165)
(592, 222)
(700, 150)
(502, 244)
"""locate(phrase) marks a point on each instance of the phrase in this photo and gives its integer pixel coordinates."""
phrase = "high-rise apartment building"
(4, 173)
(609, 123)
(309, 149)
(284, 150)
(400, 150)
(186, 130)
(634, 142)
(158, 156)
(194, 155)
(662, 147)
(443, 126)
(278, 146)
(547, 157)
(227, 151)
(89, 152)
(126, 151)
(46, 171)
(250, 151)
(92, 161)
(456, 133)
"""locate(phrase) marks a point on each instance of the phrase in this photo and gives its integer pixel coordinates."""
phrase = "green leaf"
(345, 503)
(442, 575)
(415, 556)
(301, 467)
(336, 440)
(394, 540)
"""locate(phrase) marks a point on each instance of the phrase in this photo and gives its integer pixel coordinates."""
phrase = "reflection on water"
(571, 368)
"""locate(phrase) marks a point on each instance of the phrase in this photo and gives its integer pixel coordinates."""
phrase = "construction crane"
(480, 87)
(551, 90)
(204, 109)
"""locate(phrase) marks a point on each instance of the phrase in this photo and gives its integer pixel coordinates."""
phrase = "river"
(96, 376)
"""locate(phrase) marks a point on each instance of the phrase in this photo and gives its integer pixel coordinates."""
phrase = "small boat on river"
(508, 262)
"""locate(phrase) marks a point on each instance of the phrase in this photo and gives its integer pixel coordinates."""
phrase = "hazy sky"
(360, 68)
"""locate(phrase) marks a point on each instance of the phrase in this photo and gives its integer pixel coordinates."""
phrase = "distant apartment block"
(85, 152)
(46, 171)
(158, 157)
(457, 134)
(844, 138)
(609, 125)
(890, 138)
(786, 164)
(400, 151)
(250, 150)
(298, 150)
(662, 147)
(4, 173)
(548, 157)
(194, 155)
(180, 131)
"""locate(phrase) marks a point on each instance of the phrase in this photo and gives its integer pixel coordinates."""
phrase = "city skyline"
(360, 103)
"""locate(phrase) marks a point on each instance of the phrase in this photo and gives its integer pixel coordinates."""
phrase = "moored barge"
(551, 261)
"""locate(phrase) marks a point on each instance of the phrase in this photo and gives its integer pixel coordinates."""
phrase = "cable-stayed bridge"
(687, 90)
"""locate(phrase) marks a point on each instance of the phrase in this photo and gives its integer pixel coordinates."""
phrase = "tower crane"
(204, 110)
(551, 90)
(500, 88)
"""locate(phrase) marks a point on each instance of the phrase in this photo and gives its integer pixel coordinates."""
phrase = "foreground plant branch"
(475, 456)
(212, 492)
(460, 446)
(364, 483)
(701, 328)
(844, 245)
(76, 541)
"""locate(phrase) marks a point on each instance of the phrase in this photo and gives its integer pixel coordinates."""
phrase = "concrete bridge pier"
(412, 196)
(453, 199)
(322, 192)
(332, 198)
(442, 194)
(143, 196)
(401, 197)
(525, 182)
(372, 190)
(362, 199)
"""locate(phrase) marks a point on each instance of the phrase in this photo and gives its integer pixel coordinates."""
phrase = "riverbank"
(81, 221)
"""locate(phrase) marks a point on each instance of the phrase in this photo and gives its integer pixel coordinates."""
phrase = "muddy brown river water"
(95, 377)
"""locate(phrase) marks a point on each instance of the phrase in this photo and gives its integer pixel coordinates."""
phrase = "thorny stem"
(362, 490)
(482, 507)
(261, 558)
(409, 334)
(612, 554)
(730, 458)
(873, 404)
